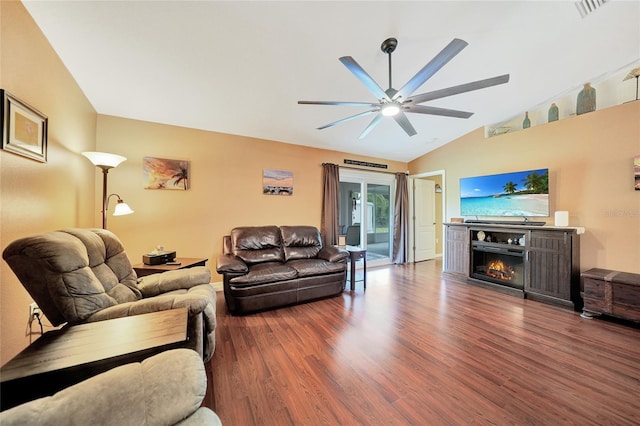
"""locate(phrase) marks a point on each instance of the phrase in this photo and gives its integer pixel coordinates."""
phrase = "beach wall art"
(164, 173)
(524, 193)
(277, 182)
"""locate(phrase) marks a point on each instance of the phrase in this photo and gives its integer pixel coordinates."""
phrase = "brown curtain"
(401, 220)
(330, 204)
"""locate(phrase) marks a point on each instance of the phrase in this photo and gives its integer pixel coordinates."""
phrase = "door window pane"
(378, 219)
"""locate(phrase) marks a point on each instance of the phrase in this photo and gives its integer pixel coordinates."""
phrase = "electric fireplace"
(500, 261)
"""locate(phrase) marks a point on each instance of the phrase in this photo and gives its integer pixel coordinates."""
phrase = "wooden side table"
(185, 262)
(355, 254)
(64, 357)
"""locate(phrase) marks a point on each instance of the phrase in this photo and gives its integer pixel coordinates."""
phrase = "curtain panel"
(400, 253)
(330, 204)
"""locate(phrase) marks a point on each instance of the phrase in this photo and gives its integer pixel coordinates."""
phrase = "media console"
(533, 261)
(525, 221)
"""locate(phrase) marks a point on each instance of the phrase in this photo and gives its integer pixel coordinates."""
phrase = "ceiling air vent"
(587, 7)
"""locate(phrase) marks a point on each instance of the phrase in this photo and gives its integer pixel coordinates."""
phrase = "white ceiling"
(240, 67)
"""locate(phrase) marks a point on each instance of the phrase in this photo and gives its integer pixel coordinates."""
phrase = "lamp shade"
(104, 159)
(122, 209)
(634, 73)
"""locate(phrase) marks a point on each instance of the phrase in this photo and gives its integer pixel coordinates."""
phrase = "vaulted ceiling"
(240, 67)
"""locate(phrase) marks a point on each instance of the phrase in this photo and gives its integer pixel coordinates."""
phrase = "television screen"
(523, 193)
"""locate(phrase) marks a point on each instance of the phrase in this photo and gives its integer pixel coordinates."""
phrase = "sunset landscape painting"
(163, 173)
(277, 182)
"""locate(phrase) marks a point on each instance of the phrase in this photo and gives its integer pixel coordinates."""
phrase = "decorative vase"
(526, 123)
(553, 113)
(586, 100)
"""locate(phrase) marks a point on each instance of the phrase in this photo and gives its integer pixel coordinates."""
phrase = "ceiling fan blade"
(344, 120)
(364, 78)
(403, 121)
(371, 125)
(423, 109)
(440, 60)
(366, 104)
(454, 90)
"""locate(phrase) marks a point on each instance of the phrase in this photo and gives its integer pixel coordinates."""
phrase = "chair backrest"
(353, 235)
(73, 273)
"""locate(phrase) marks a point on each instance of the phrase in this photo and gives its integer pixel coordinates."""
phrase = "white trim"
(442, 173)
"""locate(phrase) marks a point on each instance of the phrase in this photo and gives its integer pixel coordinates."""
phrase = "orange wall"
(590, 161)
(226, 186)
(37, 197)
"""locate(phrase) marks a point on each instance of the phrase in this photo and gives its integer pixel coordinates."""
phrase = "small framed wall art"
(164, 173)
(24, 128)
(636, 171)
(277, 182)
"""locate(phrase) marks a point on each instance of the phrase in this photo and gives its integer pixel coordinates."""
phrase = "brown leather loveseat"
(265, 267)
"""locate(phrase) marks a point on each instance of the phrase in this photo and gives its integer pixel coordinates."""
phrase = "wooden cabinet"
(553, 267)
(551, 262)
(612, 293)
(456, 255)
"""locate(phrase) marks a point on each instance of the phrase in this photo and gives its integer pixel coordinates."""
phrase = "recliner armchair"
(84, 275)
(164, 389)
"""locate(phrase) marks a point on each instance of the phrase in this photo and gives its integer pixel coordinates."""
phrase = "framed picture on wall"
(165, 173)
(24, 128)
(636, 171)
(277, 182)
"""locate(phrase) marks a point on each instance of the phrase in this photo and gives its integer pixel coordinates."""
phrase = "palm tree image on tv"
(510, 187)
(524, 193)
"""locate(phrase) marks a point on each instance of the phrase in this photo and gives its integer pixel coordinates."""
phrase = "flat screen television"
(524, 194)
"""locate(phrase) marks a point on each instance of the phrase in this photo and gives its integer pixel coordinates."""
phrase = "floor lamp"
(106, 161)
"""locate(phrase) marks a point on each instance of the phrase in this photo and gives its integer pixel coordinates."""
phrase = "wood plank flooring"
(422, 349)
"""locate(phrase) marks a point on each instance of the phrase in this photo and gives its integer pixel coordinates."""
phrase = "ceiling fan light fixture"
(390, 109)
(395, 103)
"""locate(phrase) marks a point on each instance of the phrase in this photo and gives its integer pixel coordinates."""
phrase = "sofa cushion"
(300, 242)
(265, 273)
(257, 244)
(312, 267)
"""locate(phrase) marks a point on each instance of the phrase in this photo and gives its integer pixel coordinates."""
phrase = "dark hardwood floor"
(422, 349)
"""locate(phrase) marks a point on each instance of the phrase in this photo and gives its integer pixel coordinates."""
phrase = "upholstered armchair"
(84, 275)
(165, 389)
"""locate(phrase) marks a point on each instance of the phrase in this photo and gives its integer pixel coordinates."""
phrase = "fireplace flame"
(497, 269)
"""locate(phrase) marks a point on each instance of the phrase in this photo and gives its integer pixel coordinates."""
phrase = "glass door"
(378, 219)
(366, 212)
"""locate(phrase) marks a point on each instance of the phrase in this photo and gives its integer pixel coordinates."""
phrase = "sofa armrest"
(155, 284)
(230, 264)
(333, 254)
(198, 299)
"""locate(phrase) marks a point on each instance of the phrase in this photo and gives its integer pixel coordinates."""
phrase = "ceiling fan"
(394, 103)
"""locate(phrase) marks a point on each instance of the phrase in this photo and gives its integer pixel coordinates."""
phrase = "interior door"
(424, 217)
